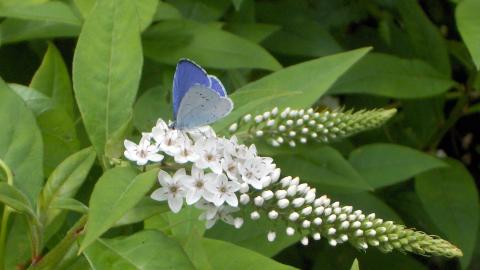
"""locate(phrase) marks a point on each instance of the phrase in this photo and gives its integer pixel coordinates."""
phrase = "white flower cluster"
(291, 126)
(219, 169)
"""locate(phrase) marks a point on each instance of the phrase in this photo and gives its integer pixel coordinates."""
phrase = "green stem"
(5, 216)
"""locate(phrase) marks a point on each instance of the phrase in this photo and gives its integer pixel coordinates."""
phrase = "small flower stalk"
(292, 127)
(231, 182)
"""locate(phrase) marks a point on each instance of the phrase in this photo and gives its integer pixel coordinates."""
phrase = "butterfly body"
(198, 98)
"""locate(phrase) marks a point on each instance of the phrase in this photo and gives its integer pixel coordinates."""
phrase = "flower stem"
(5, 216)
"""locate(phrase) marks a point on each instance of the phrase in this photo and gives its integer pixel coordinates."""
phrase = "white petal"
(142, 161)
(130, 146)
(175, 203)
(155, 157)
(160, 194)
(164, 178)
(231, 199)
(130, 155)
(193, 197)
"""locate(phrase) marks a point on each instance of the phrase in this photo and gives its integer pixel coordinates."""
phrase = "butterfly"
(198, 98)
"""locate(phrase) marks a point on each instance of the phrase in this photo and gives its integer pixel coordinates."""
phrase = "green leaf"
(144, 250)
(145, 208)
(303, 39)
(35, 100)
(255, 32)
(20, 143)
(53, 80)
(323, 167)
(51, 11)
(468, 21)
(106, 68)
(13, 197)
(59, 137)
(65, 181)
(450, 197)
(238, 257)
(201, 10)
(84, 6)
(390, 76)
(146, 10)
(387, 164)
(297, 86)
(153, 104)
(427, 42)
(168, 41)
(375, 260)
(15, 30)
(355, 265)
(165, 11)
(69, 204)
(115, 193)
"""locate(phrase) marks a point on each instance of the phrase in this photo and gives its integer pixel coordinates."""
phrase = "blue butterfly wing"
(187, 74)
(202, 106)
(217, 86)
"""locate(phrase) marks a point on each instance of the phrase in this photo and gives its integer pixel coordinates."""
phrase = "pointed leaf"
(387, 164)
(168, 41)
(468, 21)
(115, 193)
(13, 197)
(145, 250)
(450, 197)
(52, 11)
(297, 86)
(106, 68)
(20, 143)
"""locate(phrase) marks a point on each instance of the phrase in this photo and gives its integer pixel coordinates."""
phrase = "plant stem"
(5, 216)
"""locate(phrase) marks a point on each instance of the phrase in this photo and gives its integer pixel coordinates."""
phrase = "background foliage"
(81, 75)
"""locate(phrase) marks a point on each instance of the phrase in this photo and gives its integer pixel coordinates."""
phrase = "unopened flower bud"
(254, 215)
(271, 236)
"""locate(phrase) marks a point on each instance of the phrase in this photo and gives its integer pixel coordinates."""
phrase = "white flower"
(255, 169)
(196, 186)
(172, 142)
(223, 190)
(159, 132)
(143, 152)
(186, 153)
(230, 166)
(171, 190)
(213, 213)
(209, 157)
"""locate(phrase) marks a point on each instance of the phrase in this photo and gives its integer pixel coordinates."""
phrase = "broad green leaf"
(323, 167)
(184, 223)
(84, 6)
(18, 243)
(297, 86)
(387, 164)
(69, 204)
(153, 104)
(375, 260)
(355, 265)
(303, 39)
(115, 193)
(53, 80)
(106, 68)
(15, 30)
(7, 3)
(195, 251)
(450, 197)
(20, 143)
(166, 11)
(146, 10)
(144, 250)
(59, 137)
(468, 21)
(13, 197)
(255, 32)
(168, 41)
(51, 11)
(145, 208)
(66, 180)
(427, 42)
(238, 257)
(390, 76)
(35, 100)
(201, 10)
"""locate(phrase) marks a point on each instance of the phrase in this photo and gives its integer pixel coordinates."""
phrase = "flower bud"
(271, 236)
